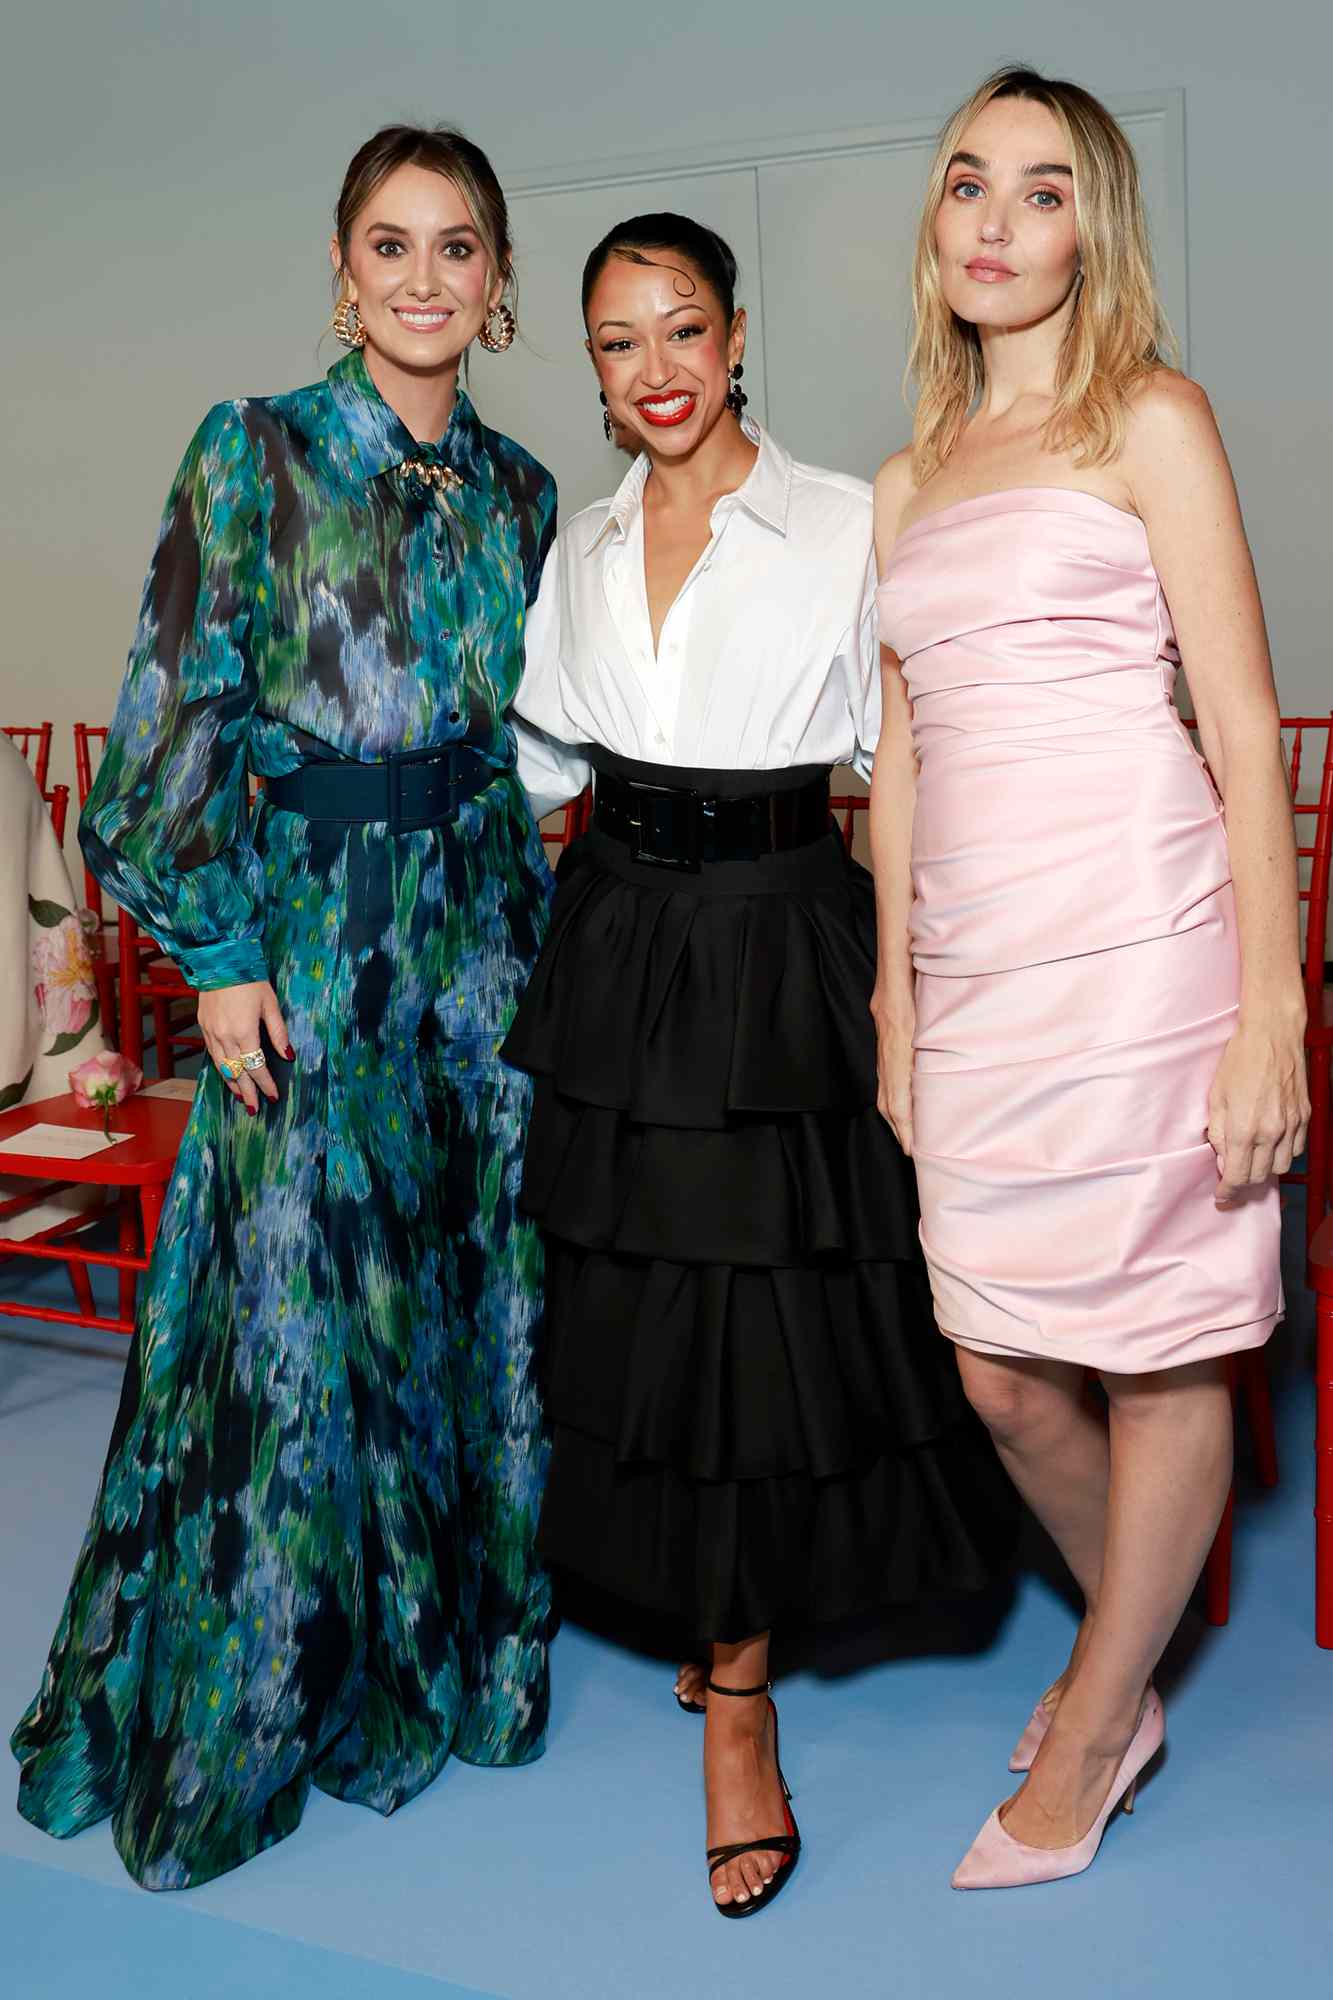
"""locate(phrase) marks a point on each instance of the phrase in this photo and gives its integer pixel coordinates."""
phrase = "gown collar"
(380, 440)
(765, 492)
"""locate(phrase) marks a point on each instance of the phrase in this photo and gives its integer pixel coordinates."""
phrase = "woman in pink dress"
(1088, 1000)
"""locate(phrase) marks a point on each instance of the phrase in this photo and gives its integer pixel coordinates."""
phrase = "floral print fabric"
(311, 1559)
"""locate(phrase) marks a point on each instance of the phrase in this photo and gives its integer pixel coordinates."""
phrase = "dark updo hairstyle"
(441, 150)
(668, 235)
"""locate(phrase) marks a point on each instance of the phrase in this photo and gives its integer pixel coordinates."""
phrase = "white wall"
(169, 172)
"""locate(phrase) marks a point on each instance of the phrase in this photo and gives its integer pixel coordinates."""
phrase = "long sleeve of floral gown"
(165, 828)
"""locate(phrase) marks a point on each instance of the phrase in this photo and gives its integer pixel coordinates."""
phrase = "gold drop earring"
(347, 325)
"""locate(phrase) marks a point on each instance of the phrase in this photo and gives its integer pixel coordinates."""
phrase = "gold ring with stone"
(231, 1070)
(253, 1059)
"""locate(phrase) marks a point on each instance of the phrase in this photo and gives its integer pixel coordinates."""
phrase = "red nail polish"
(290, 1054)
(251, 1108)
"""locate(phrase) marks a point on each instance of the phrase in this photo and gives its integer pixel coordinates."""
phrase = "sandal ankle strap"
(715, 1687)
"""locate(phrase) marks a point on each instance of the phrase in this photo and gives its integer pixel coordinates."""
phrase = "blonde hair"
(1117, 332)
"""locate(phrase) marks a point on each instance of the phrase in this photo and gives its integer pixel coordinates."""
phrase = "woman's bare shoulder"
(1172, 442)
(894, 488)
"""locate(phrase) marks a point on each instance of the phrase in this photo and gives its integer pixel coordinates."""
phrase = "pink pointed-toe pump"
(996, 1860)
(1034, 1735)
(1024, 1752)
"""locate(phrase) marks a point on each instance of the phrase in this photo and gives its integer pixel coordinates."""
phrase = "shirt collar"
(381, 440)
(765, 492)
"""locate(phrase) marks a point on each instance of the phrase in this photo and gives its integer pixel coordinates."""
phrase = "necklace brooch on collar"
(429, 472)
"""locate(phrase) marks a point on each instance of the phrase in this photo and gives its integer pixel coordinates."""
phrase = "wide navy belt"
(410, 790)
(673, 826)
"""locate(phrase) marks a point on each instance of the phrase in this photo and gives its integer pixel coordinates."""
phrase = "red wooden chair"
(34, 740)
(89, 743)
(137, 1169)
(57, 804)
(156, 984)
(1301, 736)
(1319, 1271)
(844, 807)
(1249, 1374)
(149, 982)
(575, 818)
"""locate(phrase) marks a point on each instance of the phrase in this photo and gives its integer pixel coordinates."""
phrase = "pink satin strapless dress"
(1074, 937)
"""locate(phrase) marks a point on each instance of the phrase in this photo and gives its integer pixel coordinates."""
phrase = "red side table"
(138, 1166)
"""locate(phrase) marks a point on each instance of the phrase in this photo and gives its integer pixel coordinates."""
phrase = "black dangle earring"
(736, 396)
(606, 415)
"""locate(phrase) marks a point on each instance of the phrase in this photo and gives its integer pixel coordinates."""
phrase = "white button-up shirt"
(768, 657)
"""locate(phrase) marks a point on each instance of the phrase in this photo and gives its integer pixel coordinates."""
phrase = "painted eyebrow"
(629, 323)
(458, 229)
(1033, 172)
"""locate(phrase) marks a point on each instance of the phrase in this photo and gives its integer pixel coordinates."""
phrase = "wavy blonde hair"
(1117, 332)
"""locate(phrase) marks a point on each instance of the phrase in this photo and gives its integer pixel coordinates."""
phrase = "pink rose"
(104, 1081)
(63, 977)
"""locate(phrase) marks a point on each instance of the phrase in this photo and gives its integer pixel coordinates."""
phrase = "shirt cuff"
(234, 962)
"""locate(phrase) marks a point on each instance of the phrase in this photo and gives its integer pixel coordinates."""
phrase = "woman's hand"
(229, 1019)
(893, 1053)
(1259, 1106)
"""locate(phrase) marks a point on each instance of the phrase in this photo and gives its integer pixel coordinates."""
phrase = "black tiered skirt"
(754, 1417)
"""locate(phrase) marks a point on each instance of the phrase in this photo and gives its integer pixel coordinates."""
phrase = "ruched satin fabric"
(1074, 937)
(753, 1416)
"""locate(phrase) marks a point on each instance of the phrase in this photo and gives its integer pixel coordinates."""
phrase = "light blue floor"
(581, 1878)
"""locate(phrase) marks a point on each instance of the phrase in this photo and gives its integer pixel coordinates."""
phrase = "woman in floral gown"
(311, 1558)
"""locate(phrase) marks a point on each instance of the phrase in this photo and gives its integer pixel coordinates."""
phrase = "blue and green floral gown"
(311, 1558)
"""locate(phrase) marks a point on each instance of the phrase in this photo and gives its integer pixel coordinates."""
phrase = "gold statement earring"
(498, 332)
(347, 325)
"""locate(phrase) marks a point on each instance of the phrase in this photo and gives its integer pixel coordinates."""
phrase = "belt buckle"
(397, 760)
(690, 808)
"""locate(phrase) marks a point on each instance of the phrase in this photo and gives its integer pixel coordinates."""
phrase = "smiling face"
(417, 270)
(663, 350)
(1006, 232)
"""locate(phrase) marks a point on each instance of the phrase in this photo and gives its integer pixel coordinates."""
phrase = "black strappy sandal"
(788, 1843)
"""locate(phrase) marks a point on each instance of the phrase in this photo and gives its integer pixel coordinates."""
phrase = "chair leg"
(1258, 1401)
(166, 1062)
(83, 1291)
(128, 1243)
(1318, 1159)
(151, 1197)
(1323, 1446)
(105, 977)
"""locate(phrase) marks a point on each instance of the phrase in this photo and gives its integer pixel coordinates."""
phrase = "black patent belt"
(411, 790)
(669, 826)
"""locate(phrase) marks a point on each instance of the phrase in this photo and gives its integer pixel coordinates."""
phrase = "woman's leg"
(745, 1799)
(1170, 1474)
(1054, 1446)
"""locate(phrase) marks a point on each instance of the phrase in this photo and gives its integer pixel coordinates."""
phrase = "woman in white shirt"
(752, 1419)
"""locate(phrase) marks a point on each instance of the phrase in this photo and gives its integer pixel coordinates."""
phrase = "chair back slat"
(57, 802)
(844, 807)
(34, 740)
(575, 818)
(89, 743)
(89, 737)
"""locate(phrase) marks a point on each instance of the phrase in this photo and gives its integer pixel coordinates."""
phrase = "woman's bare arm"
(892, 804)
(1182, 486)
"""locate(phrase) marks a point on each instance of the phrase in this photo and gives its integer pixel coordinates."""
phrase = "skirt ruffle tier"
(754, 1416)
